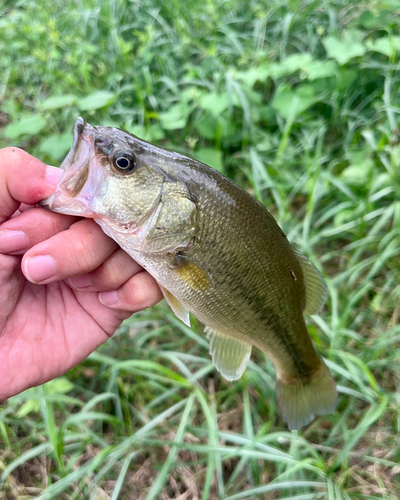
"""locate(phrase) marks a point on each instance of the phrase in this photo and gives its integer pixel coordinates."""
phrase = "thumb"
(23, 179)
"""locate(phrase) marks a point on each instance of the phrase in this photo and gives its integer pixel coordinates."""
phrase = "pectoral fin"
(176, 306)
(230, 356)
(192, 273)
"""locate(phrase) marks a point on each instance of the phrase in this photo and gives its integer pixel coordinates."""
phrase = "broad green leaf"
(321, 69)
(356, 174)
(155, 132)
(226, 126)
(137, 130)
(360, 165)
(252, 96)
(58, 101)
(290, 65)
(209, 156)
(253, 75)
(210, 128)
(207, 126)
(110, 122)
(382, 45)
(32, 405)
(386, 46)
(97, 100)
(287, 102)
(214, 103)
(175, 118)
(345, 48)
(56, 145)
(375, 18)
(150, 134)
(59, 385)
(30, 125)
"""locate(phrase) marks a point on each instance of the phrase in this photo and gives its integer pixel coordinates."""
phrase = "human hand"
(65, 287)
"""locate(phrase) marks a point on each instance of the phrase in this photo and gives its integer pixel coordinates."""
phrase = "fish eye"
(124, 162)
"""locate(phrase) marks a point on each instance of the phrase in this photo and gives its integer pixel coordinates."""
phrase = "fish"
(214, 250)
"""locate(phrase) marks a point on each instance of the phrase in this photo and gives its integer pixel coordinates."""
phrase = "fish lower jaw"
(64, 204)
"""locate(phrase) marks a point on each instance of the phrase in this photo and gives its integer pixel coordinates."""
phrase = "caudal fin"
(301, 401)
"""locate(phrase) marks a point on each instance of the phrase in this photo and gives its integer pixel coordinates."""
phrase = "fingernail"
(40, 268)
(12, 241)
(53, 175)
(109, 298)
(80, 281)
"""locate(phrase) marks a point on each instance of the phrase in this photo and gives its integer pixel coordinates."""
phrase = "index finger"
(23, 179)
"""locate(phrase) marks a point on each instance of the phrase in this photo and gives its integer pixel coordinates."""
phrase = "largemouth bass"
(213, 249)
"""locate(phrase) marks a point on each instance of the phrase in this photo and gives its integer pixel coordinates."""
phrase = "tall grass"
(298, 102)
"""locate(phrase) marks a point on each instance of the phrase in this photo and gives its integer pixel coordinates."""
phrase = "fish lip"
(63, 204)
(79, 127)
(76, 187)
(78, 159)
(80, 124)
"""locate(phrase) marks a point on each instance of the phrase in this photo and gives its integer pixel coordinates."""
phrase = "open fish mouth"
(80, 180)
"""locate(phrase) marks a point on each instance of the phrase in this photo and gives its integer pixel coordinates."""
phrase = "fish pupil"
(123, 163)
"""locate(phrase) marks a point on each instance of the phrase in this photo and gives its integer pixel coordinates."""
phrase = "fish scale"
(213, 249)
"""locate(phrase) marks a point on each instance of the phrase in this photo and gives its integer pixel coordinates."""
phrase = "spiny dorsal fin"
(176, 306)
(230, 356)
(316, 291)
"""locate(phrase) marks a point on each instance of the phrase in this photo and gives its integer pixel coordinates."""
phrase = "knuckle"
(140, 294)
(144, 290)
(54, 223)
(84, 254)
(88, 250)
(116, 272)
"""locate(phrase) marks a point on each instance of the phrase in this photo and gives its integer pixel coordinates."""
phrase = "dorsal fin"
(230, 356)
(316, 291)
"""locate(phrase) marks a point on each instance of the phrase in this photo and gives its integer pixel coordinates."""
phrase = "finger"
(30, 228)
(112, 274)
(139, 292)
(23, 179)
(79, 250)
(23, 207)
(12, 282)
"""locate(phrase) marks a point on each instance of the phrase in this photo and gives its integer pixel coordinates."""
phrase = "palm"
(46, 329)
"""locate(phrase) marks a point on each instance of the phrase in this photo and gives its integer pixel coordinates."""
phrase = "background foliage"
(298, 102)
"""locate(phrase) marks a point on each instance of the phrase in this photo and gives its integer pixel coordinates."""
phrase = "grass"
(298, 102)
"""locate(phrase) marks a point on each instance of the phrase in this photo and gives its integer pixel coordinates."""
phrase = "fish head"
(109, 175)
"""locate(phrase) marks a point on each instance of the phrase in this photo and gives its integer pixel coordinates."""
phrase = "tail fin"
(301, 401)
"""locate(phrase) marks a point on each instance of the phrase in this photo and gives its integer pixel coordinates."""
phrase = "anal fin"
(176, 306)
(230, 356)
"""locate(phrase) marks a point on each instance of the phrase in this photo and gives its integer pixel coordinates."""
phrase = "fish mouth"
(79, 182)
